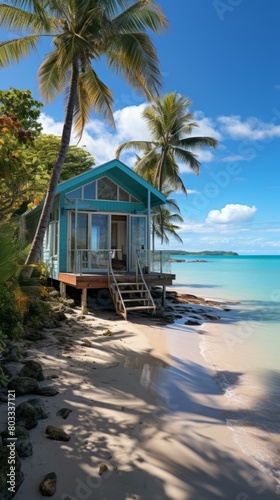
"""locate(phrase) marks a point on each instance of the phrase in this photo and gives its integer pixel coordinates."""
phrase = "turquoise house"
(100, 229)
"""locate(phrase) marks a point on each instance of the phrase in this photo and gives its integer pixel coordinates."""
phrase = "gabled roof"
(122, 175)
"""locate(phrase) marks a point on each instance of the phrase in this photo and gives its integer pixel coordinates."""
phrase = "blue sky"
(225, 56)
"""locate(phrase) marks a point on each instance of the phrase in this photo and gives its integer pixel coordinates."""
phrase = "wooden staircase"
(130, 295)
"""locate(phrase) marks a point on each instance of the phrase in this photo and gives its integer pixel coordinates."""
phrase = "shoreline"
(145, 403)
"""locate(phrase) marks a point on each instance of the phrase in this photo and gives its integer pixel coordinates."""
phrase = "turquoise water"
(244, 346)
(248, 278)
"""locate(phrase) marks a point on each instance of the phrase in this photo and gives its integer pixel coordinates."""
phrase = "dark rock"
(32, 369)
(193, 322)
(57, 433)
(5, 494)
(26, 415)
(23, 445)
(34, 335)
(39, 407)
(59, 316)
(12, 368)
(211, 317)
(23, 385)
(86, 343)
(103, 468)
(227, 309)
(48, 485)
(64, 412)
(12, 354)
(46, 391)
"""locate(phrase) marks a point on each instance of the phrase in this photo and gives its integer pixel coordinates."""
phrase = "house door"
(88, 242)
(119, 242)
(138, 239)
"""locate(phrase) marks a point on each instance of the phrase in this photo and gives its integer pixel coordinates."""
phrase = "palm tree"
(163, 225)
(83, 31)
(171, 126)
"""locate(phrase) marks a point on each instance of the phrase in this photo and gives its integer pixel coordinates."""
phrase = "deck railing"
(159, 261)
(87, 261)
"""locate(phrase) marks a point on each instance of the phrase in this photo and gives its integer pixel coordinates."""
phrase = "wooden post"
(84, 301)
(163, 298)
(62, 288)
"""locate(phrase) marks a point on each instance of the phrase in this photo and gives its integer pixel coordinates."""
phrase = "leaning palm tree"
(82, 32)
(171, 126)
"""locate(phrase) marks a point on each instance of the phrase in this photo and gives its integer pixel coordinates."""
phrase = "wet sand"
(144, 402)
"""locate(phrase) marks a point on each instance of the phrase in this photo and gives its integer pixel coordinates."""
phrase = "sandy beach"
(147, 416)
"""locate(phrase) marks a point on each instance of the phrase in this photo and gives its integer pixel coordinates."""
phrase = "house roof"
(122, 175)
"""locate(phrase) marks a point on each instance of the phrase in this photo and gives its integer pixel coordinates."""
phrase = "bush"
(10, 314)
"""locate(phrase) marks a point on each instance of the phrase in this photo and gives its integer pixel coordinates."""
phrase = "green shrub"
(10, 314)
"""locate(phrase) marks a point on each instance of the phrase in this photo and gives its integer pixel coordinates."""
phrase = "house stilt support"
(84, 301)
(62, 288)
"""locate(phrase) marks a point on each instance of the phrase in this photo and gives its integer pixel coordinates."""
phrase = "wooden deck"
(84, 281)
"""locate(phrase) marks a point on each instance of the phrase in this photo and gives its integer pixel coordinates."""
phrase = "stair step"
(121, 283)
(132, 308)
(136, 300)
(133, 291)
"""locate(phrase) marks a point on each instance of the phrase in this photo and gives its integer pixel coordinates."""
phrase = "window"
(103, 189)
(89, 191)
(123, 195)
(77, 193)
(107, 189)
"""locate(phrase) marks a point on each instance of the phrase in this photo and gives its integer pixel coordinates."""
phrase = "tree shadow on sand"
(132, 428)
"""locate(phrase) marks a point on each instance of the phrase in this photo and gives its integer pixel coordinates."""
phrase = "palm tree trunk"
(158, 181)
(49, 198)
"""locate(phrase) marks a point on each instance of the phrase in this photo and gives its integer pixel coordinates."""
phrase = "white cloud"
(206, 127)
(231, 213)
(251, 129)
(50, 126)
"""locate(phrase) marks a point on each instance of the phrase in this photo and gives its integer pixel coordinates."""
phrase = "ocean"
(244, 346)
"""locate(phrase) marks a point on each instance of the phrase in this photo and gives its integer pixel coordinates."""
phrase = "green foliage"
(10, 314)
(4, 379)
(45, 150)
(38, 310)
(24, 107)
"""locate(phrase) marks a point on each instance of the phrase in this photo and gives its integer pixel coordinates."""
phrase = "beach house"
(99, 236)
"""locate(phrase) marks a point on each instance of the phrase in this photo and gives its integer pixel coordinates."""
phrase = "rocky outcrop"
(32, 369)
(57, 433)
(23, 385)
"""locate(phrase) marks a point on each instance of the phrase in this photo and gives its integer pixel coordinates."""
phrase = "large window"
(102, 189)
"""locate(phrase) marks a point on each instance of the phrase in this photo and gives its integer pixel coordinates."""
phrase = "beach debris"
(48, 485)
(22, 441)
(39, 407)
(57, 433)
(108, 333)
(32, 369)
(5, 494)
(102, 468)
(64, 412)
(46, 391)
(26, 416)
(86, 343)
(23, 385)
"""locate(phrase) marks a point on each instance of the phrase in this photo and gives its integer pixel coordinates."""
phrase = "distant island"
(204, 252)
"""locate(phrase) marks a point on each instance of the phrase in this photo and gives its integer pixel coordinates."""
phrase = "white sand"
(144, 402)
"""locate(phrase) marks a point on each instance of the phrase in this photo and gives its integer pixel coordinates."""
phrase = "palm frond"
(51, 81)
(188, 158)
(135, 58)
(97, 96)
(17, 19)
(139, 16)
(14, 50)
(195, 143)
(135, 145)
